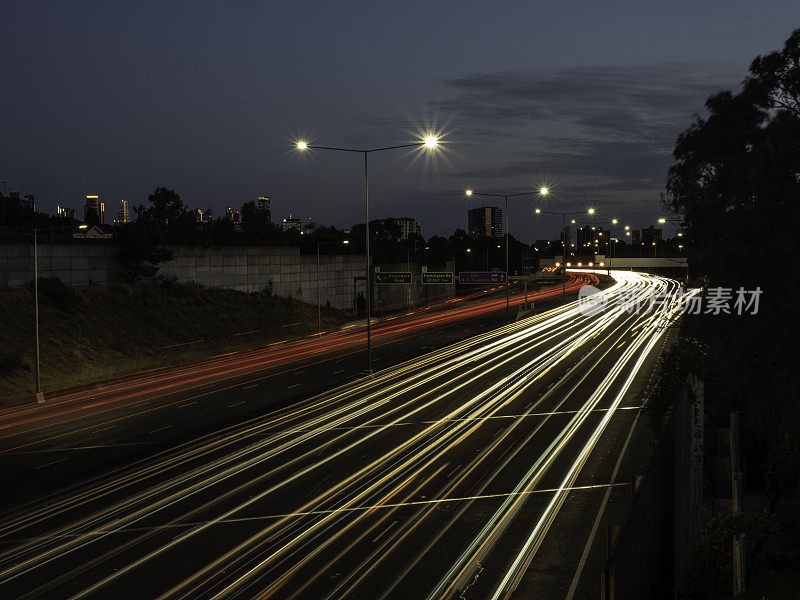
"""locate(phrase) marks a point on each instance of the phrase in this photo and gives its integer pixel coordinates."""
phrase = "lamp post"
(39, 392)
(319, 306)
(538, 211)
(429, 142)
(543, 191)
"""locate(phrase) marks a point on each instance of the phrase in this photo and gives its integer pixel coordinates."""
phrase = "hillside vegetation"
(93, 333)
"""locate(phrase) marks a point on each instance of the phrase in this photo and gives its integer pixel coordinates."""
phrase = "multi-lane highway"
(479, 470)
(79, 433)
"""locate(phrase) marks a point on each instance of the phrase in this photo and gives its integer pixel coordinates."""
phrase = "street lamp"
(39, 392)
(539, 211)
(543, 191)
(429, 142)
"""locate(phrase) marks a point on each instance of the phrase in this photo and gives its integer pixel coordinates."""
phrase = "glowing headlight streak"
(569, 319)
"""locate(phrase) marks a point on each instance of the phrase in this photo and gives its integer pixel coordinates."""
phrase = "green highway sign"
(438, 278)
(482, 277)
(395, 278)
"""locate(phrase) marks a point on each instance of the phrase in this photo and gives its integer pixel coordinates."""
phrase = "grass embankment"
(94, 333)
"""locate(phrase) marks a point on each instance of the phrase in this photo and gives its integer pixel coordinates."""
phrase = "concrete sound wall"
(245, 268)
(74, 264)
(285, 270)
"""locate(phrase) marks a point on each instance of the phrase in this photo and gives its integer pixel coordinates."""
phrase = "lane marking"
(103, 429)
(161, 429)
(382, 533)
(582, 563)
(349, 509)
(53, 462)
(236, 404)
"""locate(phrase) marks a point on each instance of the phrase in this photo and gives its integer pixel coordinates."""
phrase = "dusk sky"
(116, 98)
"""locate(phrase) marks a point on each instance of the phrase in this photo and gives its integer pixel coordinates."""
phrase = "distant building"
(590, 238)
(66, 213)
(93, 203)
(28, 202)
(92, 233)
(14, 195)
(408, 227)
(636, 236)
(291, 223)
(486, 221)
(234, 217)
(124, 213)
(263, 206)
(651, 234)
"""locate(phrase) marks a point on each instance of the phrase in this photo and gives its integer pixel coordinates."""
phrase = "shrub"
(52, 290)
(710, 573)
(684, 358)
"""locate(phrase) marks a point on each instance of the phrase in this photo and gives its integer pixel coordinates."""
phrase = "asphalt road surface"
(79, 434)
(478, 470)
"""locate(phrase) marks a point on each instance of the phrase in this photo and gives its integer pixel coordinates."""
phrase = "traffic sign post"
(392, 278)
(437, 278)
(482, 278)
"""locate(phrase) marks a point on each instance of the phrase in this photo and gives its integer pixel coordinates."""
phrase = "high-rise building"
(93, 204)
(124, 214)
(263, 206)
(234, 217)
(636, 236)
(651, 234)
(291, 222)
(66, 213)
(28, 202)
(486, 221)
(408, 227)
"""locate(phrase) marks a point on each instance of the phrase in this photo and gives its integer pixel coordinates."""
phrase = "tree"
(736, 186)
(168, 219)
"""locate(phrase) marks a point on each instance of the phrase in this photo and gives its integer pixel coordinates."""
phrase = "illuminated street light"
(662, 220)
(614, 221)
(429, 142)
(543, 191)
(564, 243)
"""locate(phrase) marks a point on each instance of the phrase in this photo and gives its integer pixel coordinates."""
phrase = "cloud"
(600, 134)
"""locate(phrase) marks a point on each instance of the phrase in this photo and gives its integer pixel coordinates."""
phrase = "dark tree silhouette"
(736, 185)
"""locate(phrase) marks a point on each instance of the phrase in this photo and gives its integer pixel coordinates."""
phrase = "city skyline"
(516, 110)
